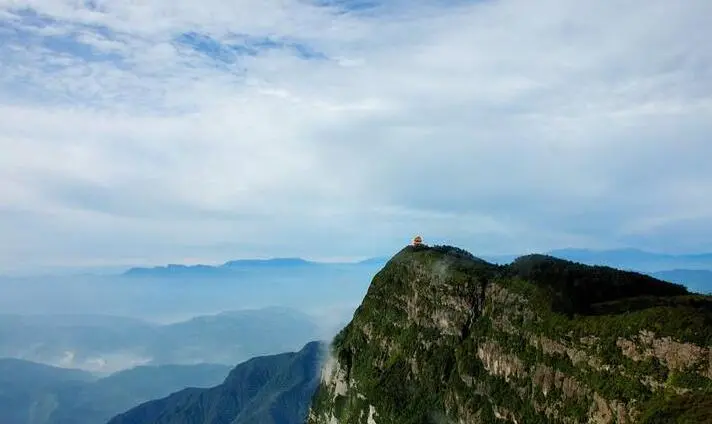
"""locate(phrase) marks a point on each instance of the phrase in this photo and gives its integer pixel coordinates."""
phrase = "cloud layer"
(147, 132)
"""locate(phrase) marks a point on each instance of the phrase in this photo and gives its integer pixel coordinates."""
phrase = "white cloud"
(500, 126)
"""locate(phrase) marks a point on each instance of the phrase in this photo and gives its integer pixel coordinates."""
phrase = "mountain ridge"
(105, 343)
(32, 393)
(443, 336)
(233, 266)
(271, 389)
(624, 258)
(638, 259)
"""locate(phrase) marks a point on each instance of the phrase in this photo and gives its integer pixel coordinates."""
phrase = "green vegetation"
(273, 389)
(690, 380)
(32, 393)
(414, 348)
(573, 288)
(692, 408)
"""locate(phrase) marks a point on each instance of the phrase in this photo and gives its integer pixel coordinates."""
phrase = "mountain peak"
(443, 336)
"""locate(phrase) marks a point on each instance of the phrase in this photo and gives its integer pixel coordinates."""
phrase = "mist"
(108, 323)
(165, 300)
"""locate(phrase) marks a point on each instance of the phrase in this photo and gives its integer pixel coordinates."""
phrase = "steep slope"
(98, 402)
(33, 393)
(28, 390)
(272, 389)
(444, 337)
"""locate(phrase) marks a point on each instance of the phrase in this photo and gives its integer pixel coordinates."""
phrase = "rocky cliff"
(444, 337)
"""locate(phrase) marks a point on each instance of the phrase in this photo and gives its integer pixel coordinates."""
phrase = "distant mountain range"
(619, 258)
(244, 265)
(659, 264)
(696, 280)
(33, 393)
(107, 344)
(274, 389)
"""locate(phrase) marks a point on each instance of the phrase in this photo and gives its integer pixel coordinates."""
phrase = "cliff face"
(443, 337)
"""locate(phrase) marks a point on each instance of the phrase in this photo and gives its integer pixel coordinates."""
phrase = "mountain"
(380, 261)
(697, 280)
(239, 266)
(29, 374)
(272, 389)
(26, 390)
(444, 337)
(232, 337)
(634, 259)
(108, 344)
(33, 393)
(92, 342)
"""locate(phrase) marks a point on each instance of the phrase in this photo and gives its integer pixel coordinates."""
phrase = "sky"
(185, 131)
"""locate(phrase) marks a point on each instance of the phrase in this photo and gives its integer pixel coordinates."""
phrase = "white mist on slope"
(102, 365)
(104, 323)
(106, 344)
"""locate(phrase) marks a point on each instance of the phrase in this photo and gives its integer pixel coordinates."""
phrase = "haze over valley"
(355, 212)
(221, 314)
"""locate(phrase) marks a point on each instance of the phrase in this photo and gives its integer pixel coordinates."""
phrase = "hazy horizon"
(115, 270)
(136, 135)
(158, 133)
(104, 343)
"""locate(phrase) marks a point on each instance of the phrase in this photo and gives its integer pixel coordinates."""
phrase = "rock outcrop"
(444, 337)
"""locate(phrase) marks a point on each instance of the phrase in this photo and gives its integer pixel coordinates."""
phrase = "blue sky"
(201, 131)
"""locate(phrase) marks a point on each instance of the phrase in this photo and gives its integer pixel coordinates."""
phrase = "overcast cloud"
(180, 130)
